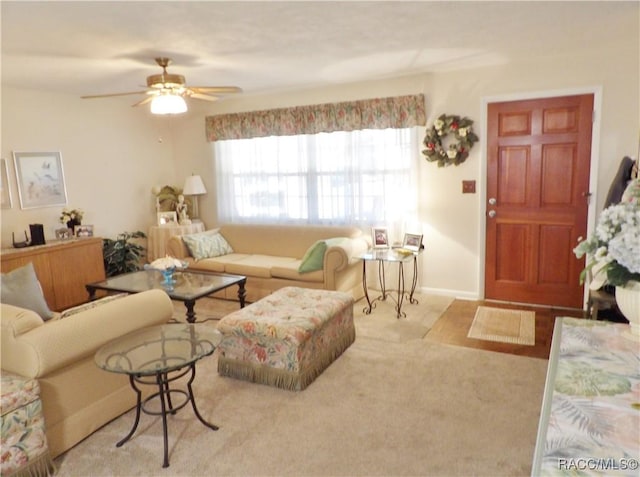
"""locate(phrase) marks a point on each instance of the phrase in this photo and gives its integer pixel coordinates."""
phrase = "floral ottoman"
(286, 339)
(24, 450)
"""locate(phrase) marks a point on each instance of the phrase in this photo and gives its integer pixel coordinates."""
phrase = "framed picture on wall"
(380, 237)
(4, 185)
(40, 179)
(167, 218)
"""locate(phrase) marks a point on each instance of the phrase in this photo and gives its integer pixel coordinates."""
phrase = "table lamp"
(193, 186)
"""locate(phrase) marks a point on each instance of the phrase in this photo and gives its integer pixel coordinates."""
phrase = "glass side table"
(159, 355)
(384, 256)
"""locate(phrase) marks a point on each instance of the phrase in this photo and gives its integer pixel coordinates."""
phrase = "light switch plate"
(468, 187)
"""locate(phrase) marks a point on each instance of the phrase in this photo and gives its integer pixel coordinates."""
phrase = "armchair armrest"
(58, 343)
(177, 248)
(17, 320)
(341, 254)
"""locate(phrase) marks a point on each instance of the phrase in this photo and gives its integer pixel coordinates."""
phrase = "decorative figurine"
(181, 209)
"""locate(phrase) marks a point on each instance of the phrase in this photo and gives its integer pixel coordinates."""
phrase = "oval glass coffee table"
(159, 355)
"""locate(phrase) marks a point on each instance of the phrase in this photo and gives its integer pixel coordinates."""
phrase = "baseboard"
(459, 294)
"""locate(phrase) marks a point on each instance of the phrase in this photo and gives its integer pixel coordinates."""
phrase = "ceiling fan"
(166, 92)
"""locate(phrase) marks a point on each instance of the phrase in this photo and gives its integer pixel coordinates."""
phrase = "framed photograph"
(63, 233)
(84, 230)
(412, 242)
(40, 179)
(4, 185)
(167, 218)
(380, 237)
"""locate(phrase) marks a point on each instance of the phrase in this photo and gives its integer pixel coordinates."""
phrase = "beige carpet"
(397, 407)
(506, 326)
(419, 318)
(382, 324)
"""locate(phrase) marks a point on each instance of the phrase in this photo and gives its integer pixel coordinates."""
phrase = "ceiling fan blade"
(206, 97)
(215, 89)
(111, 95)
(144, 101)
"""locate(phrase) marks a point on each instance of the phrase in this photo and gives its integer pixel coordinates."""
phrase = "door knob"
(492, 213)
(492, 201)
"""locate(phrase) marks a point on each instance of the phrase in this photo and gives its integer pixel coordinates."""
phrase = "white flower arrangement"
(73, 214)
(613, 250)
(167, 263)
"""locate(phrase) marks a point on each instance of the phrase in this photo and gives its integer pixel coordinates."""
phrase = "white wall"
(112, 155)
(453, 222)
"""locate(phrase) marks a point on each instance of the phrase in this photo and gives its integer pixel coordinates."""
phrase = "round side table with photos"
(384, 256)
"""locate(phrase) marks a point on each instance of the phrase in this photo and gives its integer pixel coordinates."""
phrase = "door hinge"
(593, 116)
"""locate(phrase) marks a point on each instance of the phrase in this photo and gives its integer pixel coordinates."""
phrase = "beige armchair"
(77, 396)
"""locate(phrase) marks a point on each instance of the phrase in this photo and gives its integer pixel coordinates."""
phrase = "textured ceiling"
(106, 47)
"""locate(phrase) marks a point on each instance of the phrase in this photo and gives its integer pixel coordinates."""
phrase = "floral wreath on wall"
(454, 151)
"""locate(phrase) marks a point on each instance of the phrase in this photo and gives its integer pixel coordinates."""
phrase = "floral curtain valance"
(380, 113)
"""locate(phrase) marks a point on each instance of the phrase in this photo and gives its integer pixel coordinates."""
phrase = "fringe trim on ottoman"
(281, 378)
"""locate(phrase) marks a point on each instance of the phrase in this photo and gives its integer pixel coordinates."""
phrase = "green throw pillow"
(20, 287)
(313, 257)
(204, 245)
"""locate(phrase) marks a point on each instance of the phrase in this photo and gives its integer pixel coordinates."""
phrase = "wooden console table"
(63, 268)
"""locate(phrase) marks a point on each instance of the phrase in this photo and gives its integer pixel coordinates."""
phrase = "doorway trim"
(593, 172)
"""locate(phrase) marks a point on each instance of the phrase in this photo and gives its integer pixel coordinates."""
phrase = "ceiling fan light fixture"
(166, 91)
(168, 104)
(165, 80)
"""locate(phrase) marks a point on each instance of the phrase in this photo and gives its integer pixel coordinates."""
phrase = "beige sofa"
(269, 256)
(77, 396)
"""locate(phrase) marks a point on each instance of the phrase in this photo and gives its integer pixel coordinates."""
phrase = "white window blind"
(363, 177)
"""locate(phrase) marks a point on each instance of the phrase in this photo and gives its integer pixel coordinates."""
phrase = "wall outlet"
(468, 187)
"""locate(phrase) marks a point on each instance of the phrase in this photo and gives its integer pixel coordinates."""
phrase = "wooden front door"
(538, 160)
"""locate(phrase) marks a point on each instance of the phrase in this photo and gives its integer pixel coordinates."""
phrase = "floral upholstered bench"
(288, 338)
(24, 443)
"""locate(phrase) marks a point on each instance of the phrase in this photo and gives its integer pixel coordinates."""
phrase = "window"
(359, 177)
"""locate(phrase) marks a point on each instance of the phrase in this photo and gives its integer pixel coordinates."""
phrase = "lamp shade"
(168, 104)
(193, 185)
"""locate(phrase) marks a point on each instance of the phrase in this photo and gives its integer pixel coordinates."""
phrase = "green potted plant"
(123, 254)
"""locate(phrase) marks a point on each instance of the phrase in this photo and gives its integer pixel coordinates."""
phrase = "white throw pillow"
(205, 245)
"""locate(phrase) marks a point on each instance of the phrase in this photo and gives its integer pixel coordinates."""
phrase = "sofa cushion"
(218, 264)
(205, 245)
(313, 258)
(257, 265)
(289, 271)
(278, 240)
(20, 287)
